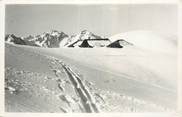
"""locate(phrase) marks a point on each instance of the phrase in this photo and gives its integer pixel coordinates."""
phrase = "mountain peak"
(55, 32)
(85, 31)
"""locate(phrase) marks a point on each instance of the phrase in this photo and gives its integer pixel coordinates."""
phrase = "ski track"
(82, 91)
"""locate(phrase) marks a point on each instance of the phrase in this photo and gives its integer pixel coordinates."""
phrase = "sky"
(104, 20)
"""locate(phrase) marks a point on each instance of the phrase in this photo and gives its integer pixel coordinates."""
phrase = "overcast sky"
(105, 20)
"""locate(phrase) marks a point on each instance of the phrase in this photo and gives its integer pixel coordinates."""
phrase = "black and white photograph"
(90, 58)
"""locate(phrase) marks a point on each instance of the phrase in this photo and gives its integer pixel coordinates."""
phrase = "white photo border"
(3, 3)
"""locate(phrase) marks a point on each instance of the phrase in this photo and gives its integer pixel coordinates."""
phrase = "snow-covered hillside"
(88, 80)
(147, 40)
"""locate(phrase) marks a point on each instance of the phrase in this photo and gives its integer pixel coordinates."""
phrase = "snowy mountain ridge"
(48, 39)
(52, 39)
(55, 39)
(82, 36)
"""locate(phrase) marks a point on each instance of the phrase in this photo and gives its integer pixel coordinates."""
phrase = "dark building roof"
(99, 39)
(85, 44)
(120, 43)
(115, 44)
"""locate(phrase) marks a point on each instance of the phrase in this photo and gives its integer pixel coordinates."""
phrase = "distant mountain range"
(56, 39)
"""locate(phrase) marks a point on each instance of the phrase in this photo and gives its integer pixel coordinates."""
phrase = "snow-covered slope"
(87, 80)
(147, 40)
(37, 83)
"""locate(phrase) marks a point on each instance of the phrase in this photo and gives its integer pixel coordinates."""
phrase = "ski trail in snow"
(82, 91)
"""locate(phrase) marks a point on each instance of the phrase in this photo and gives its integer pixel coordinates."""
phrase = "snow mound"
(146, 40)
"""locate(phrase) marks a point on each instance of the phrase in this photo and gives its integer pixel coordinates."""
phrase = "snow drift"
(147, 40)
(113, 82)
